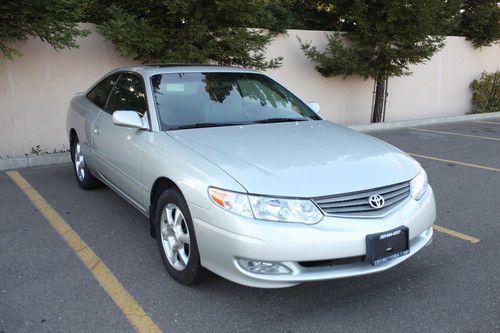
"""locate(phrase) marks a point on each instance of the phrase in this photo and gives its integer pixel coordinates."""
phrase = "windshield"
(191, 100)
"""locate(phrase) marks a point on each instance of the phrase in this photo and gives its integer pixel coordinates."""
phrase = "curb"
(34, 161)
(63, 158)
(419, 122)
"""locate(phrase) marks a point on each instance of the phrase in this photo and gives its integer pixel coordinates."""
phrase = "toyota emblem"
(376, 201)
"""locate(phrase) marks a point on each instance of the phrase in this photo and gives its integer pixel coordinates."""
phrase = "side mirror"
(314, 106)
(128, 119)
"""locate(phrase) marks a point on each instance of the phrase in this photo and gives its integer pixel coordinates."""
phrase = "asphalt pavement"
(451, 285)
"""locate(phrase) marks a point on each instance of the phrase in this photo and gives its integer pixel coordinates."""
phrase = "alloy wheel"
(79, 162)
(175, 237)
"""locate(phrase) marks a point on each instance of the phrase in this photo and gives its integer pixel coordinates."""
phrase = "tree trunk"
(378, 107)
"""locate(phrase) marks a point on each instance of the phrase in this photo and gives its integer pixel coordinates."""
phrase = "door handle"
(96, 130)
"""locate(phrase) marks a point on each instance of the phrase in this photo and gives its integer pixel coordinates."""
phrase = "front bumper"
(223, 237)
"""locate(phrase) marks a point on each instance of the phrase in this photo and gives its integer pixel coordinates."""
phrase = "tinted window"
(100, 93)
(186, 100)
(128, 94)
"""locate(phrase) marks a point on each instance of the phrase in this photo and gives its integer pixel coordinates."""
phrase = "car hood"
(300, 159)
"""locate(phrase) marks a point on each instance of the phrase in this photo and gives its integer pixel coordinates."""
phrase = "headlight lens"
(267, 208)
(234, 202)
(285, 210)
(419, 185)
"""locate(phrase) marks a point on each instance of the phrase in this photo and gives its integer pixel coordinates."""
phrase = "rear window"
(99, 94)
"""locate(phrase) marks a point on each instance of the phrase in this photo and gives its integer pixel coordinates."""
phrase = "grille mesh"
(357, 204)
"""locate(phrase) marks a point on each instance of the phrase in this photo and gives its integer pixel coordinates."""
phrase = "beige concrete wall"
(438, 88)
(35, 90)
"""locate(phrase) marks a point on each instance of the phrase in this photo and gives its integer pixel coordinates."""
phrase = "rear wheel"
(176, 238)
(84, 178)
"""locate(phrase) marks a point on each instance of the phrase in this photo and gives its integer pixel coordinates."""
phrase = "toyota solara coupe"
(239, 176)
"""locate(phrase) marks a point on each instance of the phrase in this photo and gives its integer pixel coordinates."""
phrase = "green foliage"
(53, 21)
(188, 31)
(480, 22)
(383, 38)
(302, 14)
(96, 11)
(486, 93)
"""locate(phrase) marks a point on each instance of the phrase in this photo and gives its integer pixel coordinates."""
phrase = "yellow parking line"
(487, 122)
(458, 134)
(127, 304)
(478, 166)
(456, 234)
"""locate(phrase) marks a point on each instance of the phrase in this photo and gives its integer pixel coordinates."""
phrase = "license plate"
(387, 245)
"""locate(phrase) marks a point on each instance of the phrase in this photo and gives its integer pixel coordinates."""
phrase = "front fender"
(191, 172)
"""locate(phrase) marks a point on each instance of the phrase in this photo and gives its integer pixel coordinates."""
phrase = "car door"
(117, 151)
(93, 104)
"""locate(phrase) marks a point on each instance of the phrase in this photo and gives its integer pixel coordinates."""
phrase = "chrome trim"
(356, 204)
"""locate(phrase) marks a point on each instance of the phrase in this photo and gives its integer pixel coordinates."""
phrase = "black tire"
(193, 272)
(86, 180)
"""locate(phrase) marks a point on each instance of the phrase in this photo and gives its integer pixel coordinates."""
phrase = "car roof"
(152, 69)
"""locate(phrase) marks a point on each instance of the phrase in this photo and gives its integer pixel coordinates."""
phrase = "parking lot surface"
(451, 285)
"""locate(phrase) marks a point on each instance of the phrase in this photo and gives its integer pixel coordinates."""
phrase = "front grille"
(357, 203)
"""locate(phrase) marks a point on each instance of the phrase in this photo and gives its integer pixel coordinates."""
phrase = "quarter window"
(99, 94)
(128, 94)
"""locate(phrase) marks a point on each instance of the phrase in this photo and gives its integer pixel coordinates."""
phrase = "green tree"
(382, 39)
(188, 31)
(480, 22)
(53, 21)
(303, 14)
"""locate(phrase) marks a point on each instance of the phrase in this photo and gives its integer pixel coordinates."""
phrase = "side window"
(128, 94)
(99, 94)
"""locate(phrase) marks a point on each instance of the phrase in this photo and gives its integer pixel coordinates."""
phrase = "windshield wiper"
(278, 120)
(263, 121)
(201, 125)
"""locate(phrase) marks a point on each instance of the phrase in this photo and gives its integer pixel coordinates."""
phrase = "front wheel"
(176, 238)
(84, 178)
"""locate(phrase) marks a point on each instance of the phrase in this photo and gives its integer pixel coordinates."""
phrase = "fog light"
(263, 267)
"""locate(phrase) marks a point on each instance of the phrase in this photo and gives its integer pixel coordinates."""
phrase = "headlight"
(234, 202)
(419, 185)
(285, 210)
(267, 208)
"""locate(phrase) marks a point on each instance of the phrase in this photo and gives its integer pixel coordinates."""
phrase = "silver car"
(239, 176)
